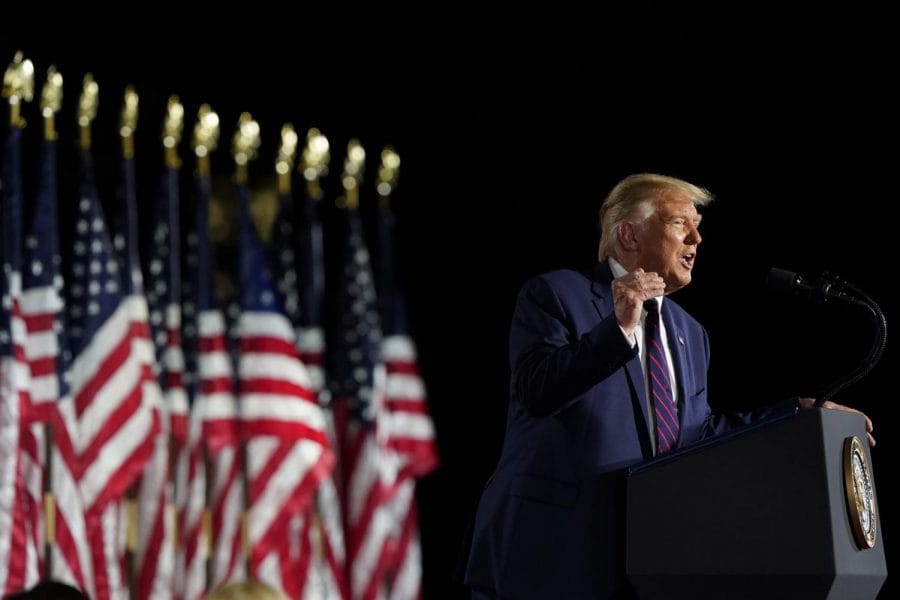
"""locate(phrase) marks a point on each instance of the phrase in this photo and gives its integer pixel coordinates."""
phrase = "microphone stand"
(875, 352)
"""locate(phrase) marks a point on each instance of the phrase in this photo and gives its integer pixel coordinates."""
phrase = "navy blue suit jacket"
(550, 522)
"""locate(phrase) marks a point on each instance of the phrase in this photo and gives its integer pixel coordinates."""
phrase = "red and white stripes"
(287, 447)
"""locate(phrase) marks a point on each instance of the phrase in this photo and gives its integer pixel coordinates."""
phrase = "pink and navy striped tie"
(660, 386)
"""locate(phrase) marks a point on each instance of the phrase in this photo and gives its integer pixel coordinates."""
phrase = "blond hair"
(246, 590)
(634, 198)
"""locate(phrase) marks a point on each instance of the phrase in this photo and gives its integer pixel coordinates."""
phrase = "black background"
(511, 133)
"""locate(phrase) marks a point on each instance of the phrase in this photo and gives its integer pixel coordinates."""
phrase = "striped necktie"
(660, 387)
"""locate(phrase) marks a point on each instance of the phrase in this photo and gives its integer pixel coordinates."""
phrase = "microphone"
(828, 287)
(831, 287)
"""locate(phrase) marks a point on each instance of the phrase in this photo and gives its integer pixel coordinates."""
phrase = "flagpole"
(18, 87)
(386, 286)
(127, 126)
(284, 166)
(351, 179)
(313, 166)
(171, 136)
(314, 163)
(87, 110)
(51, 100)
(285, 160)
(388, 173)
(354, 163)
(205, 140)
(244, 147)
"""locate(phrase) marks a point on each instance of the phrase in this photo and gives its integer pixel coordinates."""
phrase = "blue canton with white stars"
(94, 285)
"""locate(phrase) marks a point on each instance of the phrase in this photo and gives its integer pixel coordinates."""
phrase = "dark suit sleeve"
(551, 363)
(725, 422)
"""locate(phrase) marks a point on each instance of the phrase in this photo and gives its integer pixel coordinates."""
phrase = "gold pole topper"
(128, 121)
(51, 102)
(87, 109)
(314, 162)
(285, 161)
(206, 137)
(351, 179)
(388, 173)
(244, 145)
(173, 125)
(18, 86)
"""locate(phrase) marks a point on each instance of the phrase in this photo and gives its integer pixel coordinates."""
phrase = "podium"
(783, 509)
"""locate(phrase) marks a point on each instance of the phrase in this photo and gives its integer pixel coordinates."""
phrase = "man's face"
(668, 240)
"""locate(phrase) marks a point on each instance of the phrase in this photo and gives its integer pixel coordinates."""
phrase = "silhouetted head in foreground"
(246, 590)
(50, 590)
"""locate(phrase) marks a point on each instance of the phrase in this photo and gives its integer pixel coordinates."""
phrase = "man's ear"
(627, 236)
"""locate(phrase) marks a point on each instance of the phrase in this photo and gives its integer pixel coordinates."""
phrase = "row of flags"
(146, 452)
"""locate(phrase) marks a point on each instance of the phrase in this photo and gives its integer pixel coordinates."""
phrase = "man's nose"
(693, 236)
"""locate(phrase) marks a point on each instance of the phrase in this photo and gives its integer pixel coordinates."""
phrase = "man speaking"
(607, 371)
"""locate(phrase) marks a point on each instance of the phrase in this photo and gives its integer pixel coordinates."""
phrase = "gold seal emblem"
(860, 490)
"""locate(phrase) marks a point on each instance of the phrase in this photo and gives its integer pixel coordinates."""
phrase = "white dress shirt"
(638, 337)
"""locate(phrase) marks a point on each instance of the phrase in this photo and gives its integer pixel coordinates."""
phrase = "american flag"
(212, 430)
(154, 562)
(318, 555)
(295, 554)
(18, 539)
(358, 380)
(42, 304)
(107, 377)
(214, 379)
(287, 445)
(161, 504)
(42, 307)
(410, 429)
(164, 299)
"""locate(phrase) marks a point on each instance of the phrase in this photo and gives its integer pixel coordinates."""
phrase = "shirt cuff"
(631, 339)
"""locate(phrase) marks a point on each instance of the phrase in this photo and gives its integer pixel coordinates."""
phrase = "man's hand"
(629, 294)
(807, 403)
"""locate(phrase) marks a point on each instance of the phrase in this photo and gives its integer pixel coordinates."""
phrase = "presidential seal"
(860, 490)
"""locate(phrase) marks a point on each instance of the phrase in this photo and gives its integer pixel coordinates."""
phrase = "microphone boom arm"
(875, 352)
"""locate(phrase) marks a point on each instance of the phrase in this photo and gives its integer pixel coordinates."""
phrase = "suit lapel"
(603, 301)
